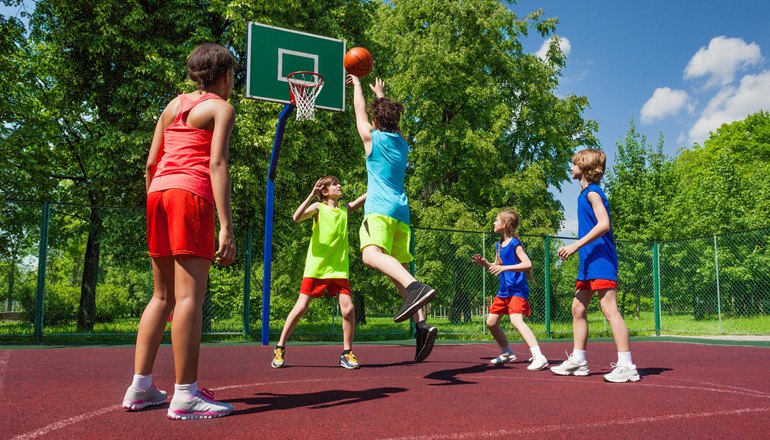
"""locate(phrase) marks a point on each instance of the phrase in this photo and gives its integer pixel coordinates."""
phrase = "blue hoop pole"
(287, 109)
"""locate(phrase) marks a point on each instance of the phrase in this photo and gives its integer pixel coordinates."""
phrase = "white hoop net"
(304, 88)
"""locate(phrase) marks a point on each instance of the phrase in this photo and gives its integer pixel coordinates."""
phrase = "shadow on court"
(264, 402)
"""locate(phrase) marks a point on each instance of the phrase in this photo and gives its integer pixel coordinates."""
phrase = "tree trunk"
(87, 309)
(9, 306)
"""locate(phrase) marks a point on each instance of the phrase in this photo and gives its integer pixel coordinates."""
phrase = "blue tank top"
(386, 168)
(598, 259)
(511, 283)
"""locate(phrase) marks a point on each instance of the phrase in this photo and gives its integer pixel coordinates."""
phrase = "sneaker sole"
(349, 367)
(276, 366)
(428, 347)
(136, 407)
(406, 314)
(570, 373)
(635, 378)
(173, 416)
(503, 362)
(538, 369)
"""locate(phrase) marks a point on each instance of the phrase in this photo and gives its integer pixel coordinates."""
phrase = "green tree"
(91, 79)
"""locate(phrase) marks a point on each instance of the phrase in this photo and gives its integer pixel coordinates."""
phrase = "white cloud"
(732, 104)
(564, 45)
(723, 58)
(664, 102)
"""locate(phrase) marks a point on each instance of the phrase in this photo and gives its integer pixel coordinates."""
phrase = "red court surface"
(687, 391)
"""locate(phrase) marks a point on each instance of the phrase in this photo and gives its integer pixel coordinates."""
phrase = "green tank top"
(327, 255)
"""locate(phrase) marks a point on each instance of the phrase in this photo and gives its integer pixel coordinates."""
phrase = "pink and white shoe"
(202, 406)
(136, 399)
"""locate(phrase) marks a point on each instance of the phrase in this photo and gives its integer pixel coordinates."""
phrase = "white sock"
(142, 382)
(185, 392)
(536, 353)
(578, 356)
(624, 358)
(507, 349)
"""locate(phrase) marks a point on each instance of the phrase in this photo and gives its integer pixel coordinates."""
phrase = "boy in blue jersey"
(385, 232)
(597, 271)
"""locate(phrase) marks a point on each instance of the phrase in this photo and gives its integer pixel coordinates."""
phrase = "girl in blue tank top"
(597, 272)
(513, 267)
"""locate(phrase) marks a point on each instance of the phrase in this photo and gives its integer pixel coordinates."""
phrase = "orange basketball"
(358, 62)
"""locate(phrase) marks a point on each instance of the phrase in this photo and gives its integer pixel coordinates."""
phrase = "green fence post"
(411, 271)
(41, 261)
(547, 286)
(656, 285)
(247, 285)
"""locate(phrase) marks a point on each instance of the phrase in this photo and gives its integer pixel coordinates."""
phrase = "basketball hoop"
(304, 88)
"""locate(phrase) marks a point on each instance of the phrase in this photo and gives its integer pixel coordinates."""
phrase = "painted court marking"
(716, 388)
(574, 426)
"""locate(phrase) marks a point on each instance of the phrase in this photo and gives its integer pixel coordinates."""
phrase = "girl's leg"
(155, 315)
(526, 333)
(299, 310)
(190, 276)
(348, 320)
(580, 318)
(608, 299)
(493, 323)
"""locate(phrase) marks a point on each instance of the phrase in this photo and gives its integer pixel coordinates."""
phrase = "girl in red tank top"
(186, 176)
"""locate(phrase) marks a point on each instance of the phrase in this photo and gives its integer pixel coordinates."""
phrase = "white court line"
(572, 426)
(72, 420)
(66, 422)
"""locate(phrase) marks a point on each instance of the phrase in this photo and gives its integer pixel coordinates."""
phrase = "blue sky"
(680, 67)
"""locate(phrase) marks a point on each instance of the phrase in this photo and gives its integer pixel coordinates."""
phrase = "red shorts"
(509, 306)
(315, 286)
(180, 223)
(596, 284)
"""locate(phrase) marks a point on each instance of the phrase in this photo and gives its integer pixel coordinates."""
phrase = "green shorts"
(389, 234)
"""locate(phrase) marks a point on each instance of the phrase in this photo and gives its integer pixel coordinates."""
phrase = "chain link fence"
(96, 279)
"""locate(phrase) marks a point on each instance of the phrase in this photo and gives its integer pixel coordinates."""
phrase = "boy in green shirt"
(327, 264)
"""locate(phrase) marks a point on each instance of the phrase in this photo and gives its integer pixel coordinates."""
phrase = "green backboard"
(274, 53)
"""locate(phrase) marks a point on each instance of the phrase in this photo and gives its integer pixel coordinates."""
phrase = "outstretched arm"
(305, 210)
(355, 204)
(362, 119)
(602, 227)
(481, 261)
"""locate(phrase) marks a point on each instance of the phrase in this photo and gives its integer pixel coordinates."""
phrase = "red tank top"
(186, 155)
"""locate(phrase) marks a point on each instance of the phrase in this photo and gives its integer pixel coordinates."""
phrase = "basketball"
(358, 62)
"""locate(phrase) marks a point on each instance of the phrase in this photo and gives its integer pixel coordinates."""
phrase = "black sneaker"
(415, 298)
(426, 336)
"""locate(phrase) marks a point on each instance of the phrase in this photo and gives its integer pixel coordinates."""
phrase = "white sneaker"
(571, 368)
(537, 363)
(202, 406)
(504, 358)
(622, 374)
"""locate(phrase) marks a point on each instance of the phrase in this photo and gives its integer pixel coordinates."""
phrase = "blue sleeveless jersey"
(512, 283)
(598, 259)
(386, 169)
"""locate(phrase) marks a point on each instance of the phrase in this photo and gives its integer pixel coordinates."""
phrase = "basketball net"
(304, 88)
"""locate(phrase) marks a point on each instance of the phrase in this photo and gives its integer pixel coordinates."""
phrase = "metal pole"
(412, 327)
(41, 262)
(548, 286)
(656, 285)
(719, 299)
(247, 285)
(268, 255)
(484, 277)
